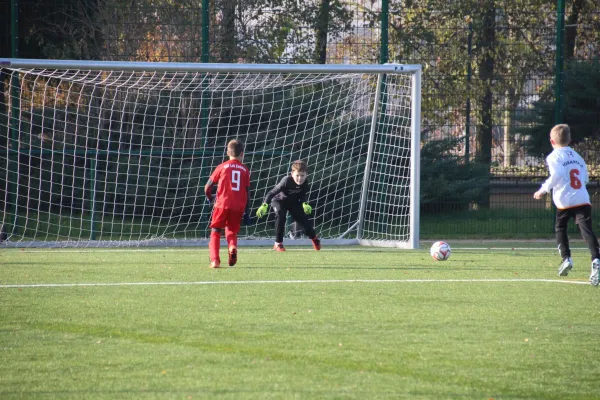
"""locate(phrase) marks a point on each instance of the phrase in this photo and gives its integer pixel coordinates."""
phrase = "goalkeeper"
(290, 195)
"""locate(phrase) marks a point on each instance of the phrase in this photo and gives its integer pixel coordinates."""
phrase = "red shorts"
(225, 217)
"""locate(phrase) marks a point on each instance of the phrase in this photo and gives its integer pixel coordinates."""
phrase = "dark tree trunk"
(486, 75)
(322, 28)
(571, 29)
(487, 48)
(228, 44)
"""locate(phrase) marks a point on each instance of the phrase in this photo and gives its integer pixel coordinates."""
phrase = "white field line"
(292, 249)
(60, 285)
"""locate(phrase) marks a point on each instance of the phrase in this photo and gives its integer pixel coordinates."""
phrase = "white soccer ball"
(440, 251)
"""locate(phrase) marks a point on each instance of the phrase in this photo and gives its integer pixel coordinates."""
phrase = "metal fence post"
(560, 49)
(204, 102)
(468, 105)
(558, 73)
(384, 48)
(15, 110)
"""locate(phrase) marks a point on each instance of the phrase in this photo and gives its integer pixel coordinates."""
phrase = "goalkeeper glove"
(262, 210)
(307, 208)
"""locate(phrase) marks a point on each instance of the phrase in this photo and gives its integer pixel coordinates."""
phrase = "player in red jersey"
(232, 202)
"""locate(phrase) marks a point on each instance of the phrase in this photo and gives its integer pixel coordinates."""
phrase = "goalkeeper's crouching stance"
(290, 195)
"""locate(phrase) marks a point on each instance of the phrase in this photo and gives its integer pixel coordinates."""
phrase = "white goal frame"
(357, 228)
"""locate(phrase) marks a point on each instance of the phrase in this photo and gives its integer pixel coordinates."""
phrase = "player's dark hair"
(561, 134)
(299, 166)
(235, 148)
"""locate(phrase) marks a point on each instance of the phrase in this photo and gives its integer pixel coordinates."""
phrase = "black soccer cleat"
(232, 256)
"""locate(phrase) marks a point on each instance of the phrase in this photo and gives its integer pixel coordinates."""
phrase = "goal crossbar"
(27, 63)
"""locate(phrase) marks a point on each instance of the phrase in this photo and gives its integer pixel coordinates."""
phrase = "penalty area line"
(61, 285)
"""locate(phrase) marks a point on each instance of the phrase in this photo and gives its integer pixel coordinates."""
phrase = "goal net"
(117, 153)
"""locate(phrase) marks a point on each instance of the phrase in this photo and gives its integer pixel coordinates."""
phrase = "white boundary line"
(53, 285)
(254, 248)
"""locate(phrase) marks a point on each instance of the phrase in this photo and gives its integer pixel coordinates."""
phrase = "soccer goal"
(117, 153)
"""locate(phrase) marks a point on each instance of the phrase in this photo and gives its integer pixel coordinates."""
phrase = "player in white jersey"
(568, 177)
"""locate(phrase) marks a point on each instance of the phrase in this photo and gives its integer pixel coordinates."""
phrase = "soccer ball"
(440, 251)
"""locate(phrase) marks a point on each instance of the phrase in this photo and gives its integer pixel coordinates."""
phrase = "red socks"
(231, 238)
(213, 245)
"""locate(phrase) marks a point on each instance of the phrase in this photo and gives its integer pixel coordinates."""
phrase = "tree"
(141, 30)
(571, 27)
(72, 30)
(511, 48)
(288, 30)
(434, 33)
(486, 25)
(322, 27)
(227, 31)
(581, 103)
(447, 182)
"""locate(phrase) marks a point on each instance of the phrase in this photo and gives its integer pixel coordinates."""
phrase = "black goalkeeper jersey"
(288, 190)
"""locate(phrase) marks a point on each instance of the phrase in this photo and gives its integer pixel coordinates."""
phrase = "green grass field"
(343, 323)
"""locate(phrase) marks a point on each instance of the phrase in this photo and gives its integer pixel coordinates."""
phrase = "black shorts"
(582, 215)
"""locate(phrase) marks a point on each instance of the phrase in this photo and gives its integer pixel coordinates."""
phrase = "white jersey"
(568, 177)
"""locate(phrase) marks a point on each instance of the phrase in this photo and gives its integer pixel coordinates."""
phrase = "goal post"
(104, 153)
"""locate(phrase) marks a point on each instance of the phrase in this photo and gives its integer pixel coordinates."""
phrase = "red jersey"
(233, 179)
